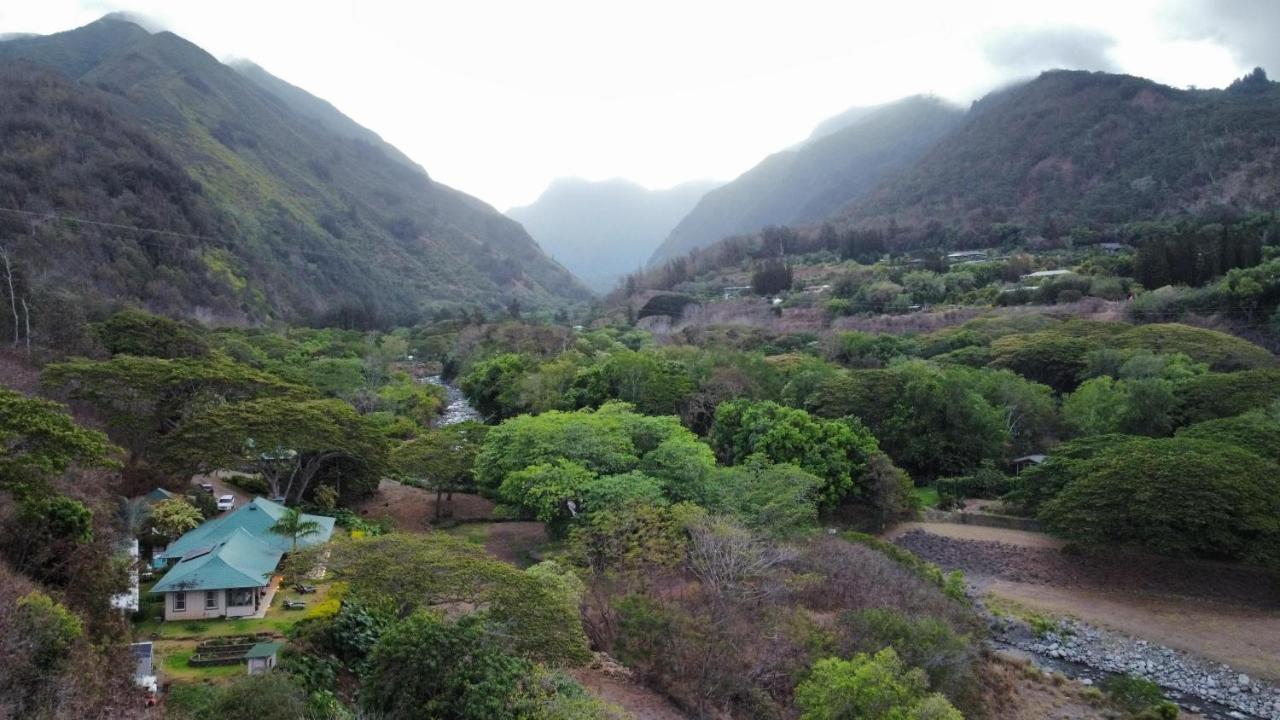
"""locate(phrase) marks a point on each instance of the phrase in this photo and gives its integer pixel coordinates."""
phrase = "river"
(458, 409)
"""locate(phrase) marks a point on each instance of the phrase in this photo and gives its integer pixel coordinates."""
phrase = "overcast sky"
(498, 98)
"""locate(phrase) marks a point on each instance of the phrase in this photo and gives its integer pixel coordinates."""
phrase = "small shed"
(261, 657)
(1022, 463)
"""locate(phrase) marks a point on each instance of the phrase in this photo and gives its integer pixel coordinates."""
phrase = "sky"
(499, 98)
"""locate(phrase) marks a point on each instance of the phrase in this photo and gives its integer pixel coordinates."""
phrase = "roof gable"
(255, 518)
(240, 560)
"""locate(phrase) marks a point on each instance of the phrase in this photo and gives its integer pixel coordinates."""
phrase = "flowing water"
(457, 409)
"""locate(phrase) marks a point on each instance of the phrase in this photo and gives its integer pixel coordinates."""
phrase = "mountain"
(1091, 147)
(808, 183)
(197, 189)
(602, 230)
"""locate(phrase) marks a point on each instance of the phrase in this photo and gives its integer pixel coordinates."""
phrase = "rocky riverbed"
(457, 408)
(1212, 689)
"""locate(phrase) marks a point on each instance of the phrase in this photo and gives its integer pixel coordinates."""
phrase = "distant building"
(1022, 463)
(966, 255)
(1041, 274)
(1112, 247)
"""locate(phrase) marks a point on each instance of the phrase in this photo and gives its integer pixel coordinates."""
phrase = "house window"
(179, 602)
(241, 597)
(210, 599)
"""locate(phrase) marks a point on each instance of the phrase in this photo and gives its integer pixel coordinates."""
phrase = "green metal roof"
(237, 561)
(263, 650)
(256, 518)
(157, 495)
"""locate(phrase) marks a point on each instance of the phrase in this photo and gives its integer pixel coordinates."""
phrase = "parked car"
(226, 502)
(206, 488)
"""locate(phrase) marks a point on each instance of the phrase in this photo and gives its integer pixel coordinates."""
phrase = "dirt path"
(1224, 613)
(640, 701)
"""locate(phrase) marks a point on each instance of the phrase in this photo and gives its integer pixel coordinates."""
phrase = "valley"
(936, 410)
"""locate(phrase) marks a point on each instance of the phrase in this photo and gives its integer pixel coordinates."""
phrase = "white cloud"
(499, 97)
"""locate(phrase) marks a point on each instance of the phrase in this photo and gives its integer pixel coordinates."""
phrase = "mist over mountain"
(806, 184)
(231, 194)
(602, 230)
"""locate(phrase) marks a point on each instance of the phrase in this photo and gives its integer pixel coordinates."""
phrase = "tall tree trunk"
(13, 300)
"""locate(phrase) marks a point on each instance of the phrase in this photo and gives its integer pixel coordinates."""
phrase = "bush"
(1140, 697)
(986, 482)
(869, 687)
(252, 484)
(927, 643)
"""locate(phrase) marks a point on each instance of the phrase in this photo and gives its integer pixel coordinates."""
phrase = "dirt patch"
(1164, 577)
(640, 701)
(411, 509)
(978, 532)
(514, 542)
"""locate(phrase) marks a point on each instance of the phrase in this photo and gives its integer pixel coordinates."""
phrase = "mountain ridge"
(375, 237)
(805, 183)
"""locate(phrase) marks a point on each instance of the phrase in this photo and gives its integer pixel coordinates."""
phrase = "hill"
(806, 184)
(601, 230)
(1096, 148)
(258, 200)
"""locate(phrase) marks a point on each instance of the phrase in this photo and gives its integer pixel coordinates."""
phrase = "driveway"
(222, 487)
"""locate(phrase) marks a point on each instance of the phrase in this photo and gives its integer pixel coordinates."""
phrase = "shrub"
(869, 687)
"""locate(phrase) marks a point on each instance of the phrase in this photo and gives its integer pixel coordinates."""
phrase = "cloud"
(1248, 28)
(1027, 51)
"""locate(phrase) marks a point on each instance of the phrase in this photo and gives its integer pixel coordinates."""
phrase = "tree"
(776, 499)
(870, 687)
(1172, 496)
(48, 629)
(140, 400)
(291, 525)
(405, 573)
(289, 442)
(835, 450)
(426, 667)
(442, 459)
(493, 385)
(174, 517)
(39, 438)
(135, 332)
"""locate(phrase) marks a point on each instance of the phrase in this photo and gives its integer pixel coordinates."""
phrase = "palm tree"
(291, 525)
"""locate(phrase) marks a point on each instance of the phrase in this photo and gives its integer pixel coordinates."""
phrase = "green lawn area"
(172, 657)
(928, 496)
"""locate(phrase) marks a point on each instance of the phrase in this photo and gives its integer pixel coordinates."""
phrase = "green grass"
(474, 533)
(173, 657)
(927, 495)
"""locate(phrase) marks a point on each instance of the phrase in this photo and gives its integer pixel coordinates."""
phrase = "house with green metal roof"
(223, 567)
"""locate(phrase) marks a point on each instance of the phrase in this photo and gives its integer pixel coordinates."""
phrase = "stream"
(458, 409)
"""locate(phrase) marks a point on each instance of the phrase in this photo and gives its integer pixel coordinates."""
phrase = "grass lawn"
(928, 496)
(172, 657)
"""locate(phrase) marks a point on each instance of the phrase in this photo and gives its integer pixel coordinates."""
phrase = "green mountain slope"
(1080, 147)
(807, 184)
(603, 230)
(301, 214)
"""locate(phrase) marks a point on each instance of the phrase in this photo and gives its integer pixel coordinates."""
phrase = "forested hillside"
(808, 183)
(1076, 147)
(228, 195)
(602, 230)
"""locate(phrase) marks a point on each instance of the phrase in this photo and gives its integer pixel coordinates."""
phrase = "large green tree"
(1172, 496)
(290, 442)
(39, 438)
(142, 399)
(442, 459)
(870, 687)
